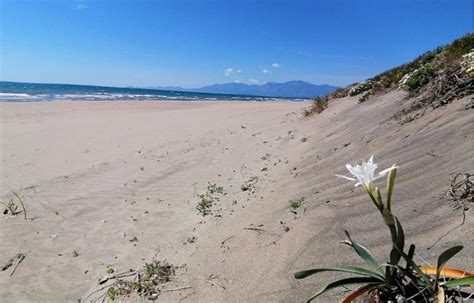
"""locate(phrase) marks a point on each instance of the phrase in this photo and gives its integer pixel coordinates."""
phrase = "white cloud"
(81, 4)
(231, 71)
(237, 81)
(275, 65)
(266, 71)
(253, 81)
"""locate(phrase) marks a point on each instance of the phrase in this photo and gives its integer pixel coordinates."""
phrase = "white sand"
(95, 175)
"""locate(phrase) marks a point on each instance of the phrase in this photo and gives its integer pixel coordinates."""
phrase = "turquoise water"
(25, 92)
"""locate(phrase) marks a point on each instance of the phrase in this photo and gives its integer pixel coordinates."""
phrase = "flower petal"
(347, 178)
(385, 171)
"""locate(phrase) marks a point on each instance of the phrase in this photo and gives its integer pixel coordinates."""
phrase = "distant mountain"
(290, 89)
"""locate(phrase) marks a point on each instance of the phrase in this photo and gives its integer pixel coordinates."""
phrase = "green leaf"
(412, 264)
(342, 282)
(363, 253)
(379, 196)
(459, 282)
(346, 269)
(390, 184)
(444, 258)
(398, 238)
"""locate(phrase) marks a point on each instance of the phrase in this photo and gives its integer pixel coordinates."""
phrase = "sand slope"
(95, 175)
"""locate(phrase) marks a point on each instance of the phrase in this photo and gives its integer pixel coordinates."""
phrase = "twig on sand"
(21, 257)
(12, 260)
(259, 230)
(117, 276)
(210, 281)
(187, 296)
(228, 238)
(177, 288)
(215, 284)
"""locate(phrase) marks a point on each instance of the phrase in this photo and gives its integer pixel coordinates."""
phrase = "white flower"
(364, 174)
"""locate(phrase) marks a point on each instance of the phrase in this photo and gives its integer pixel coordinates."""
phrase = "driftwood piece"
(17, 259)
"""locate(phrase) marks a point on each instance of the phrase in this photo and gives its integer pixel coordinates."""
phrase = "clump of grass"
(13, 204)
(145, 282)
(214, 189)
(461, 190)
(295, 204)
(110, 270)
(318, 105)
(364, 97)
(420, 76)
(207, 200)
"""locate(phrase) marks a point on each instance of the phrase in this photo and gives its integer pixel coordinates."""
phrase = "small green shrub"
(364, 97)
(145, 283)
(420, 77)
(204, 205)
(294, 204)
(207, 200)
(317, 106)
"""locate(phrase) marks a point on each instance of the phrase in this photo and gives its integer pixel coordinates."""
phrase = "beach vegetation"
(208, 199)
(15, 201)
(295, 204)
(145, 282)
(318, 105)
(446, 71)
(400, 278)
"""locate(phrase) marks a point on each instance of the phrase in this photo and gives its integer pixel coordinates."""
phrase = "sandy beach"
(116, 184)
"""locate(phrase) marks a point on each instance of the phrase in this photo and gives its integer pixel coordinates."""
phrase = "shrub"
(294, 204)
(361, 87)
(317, 106)
(364, 97)
(207, 200)
(420, 77)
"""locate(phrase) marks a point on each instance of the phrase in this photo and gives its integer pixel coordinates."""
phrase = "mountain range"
(290, 89)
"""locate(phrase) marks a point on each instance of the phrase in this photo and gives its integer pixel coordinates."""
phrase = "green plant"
(207, 200)
(110, 270)
(145, 282)
(294, 204)
(420, 76)
(317, 106)
(392, 280)
(213, 188)
(364, 97)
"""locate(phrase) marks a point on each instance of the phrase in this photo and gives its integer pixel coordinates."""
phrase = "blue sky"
(193, 43)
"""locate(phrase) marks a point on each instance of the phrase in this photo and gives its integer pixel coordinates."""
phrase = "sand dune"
(96, 175)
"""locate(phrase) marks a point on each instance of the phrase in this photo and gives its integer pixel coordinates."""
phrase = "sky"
(191, 43)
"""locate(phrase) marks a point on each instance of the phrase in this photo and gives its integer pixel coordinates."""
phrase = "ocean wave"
(13, 95)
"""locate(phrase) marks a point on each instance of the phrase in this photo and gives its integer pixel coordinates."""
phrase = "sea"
(31, 92)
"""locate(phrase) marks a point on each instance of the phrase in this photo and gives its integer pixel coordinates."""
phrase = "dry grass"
(317, 106)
